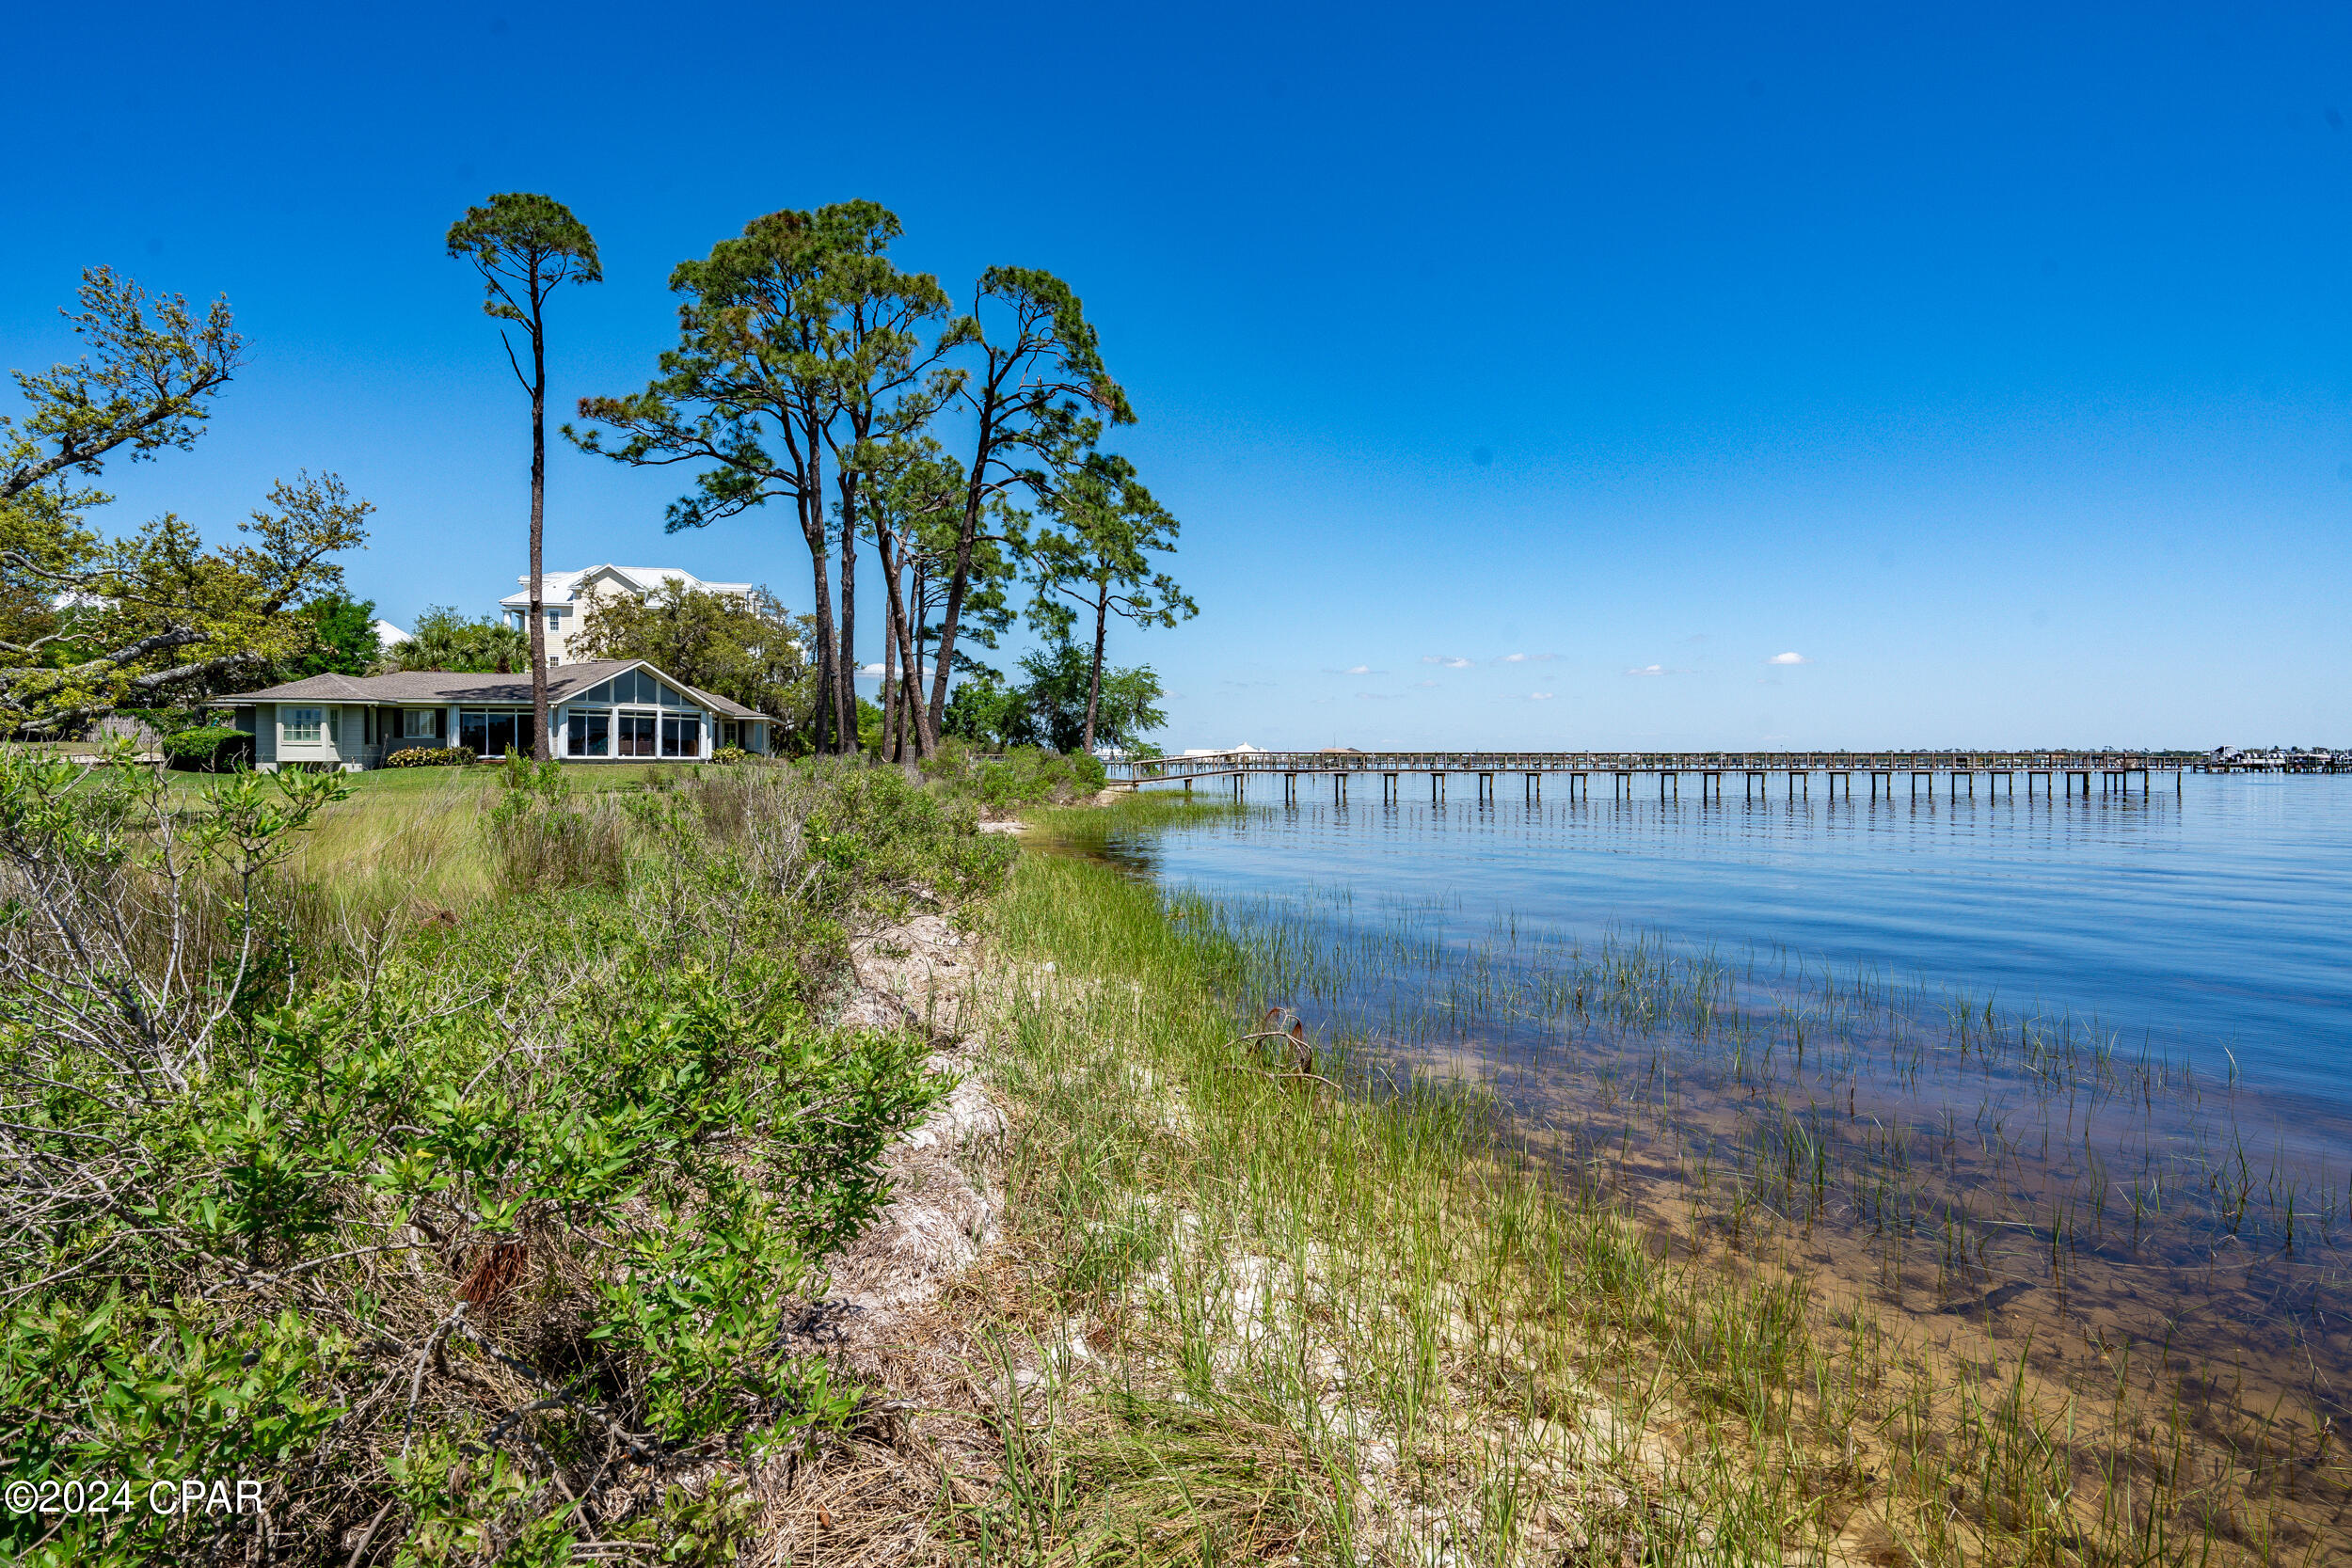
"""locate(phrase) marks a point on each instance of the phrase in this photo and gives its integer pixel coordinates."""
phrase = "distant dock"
(2050, 773)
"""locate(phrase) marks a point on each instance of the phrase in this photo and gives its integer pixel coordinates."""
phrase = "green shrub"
(215, 749)
(413, 1235)
(730, 753)
(1025, 776)
(430, 756)
(878, 841)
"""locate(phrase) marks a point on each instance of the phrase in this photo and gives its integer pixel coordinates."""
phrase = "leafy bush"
(730, 753)
(215, 749)
(878, 841)
(430, 756)
(448, 1227)
(1025, 776)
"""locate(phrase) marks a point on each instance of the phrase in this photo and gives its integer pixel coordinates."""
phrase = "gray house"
(604, 711)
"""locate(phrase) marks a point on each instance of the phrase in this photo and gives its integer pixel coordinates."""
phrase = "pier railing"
(1228, 764)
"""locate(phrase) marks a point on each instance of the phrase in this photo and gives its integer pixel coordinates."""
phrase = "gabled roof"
(439, 687)
(561, 587)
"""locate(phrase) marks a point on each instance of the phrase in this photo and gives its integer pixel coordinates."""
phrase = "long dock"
(2056, 772)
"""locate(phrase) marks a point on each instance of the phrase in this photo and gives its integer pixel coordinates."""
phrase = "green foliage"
(730, 753)
(878, 841)
(1096, 560)
(444, 639)
(983, 711)
(747, 651)
(156, 616)
(418, 1219)
(213, 749)
(344, 640)
(1022, 776)
(523, 245)
(1049, 710)
(430, 756)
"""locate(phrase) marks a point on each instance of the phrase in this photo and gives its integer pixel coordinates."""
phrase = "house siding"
(360, 729)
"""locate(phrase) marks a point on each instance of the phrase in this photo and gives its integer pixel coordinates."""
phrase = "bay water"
(2212, 924)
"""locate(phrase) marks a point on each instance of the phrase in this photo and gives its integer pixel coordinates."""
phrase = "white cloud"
(1527, 658)
(1649, 670)
(1360, 670)
(1449, 660)
(1424, 685)
(1381, 696)
(1539, 696)
(870, 670)
(1789, 658)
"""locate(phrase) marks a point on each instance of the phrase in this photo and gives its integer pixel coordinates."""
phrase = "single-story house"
(604, 711)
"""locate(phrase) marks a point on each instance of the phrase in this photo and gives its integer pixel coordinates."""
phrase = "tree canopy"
(1096, 559)
(446, 638)
(749, 652)
(88, 624)
(1050, 708)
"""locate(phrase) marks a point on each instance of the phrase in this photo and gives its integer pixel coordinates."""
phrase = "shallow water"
(2123, 1161)
(2211, 925)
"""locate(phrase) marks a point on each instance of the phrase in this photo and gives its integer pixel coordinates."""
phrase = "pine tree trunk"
(847, 653)
(1094, 682)
(961, 579)
(538, 532)
(905, 683)
(811, 506)
(893, 746)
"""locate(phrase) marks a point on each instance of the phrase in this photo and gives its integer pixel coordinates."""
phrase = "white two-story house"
(566, 597)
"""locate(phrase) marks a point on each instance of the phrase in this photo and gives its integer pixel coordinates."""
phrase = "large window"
(591, 734)
(419, 723)
(600, 717)
(493, 731)
(300, 726)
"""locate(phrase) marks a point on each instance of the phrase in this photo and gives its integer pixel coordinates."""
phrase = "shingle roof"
(446, 686)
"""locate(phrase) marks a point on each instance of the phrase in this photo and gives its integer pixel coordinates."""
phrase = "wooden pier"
(2048, 773)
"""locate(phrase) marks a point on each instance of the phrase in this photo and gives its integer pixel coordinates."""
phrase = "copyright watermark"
(190, 1496)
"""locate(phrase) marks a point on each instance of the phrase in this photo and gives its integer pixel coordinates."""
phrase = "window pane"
(472, 730)
(501, 734)
(591, 734)
(599, 694)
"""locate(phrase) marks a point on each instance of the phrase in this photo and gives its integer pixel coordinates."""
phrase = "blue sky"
(1995, 363)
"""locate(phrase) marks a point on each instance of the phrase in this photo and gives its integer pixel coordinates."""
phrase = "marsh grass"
(1624, 1255)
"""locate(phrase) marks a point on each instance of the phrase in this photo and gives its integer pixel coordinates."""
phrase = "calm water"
(2216, 921)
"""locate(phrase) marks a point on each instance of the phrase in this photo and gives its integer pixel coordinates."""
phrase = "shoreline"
(1817, 1384)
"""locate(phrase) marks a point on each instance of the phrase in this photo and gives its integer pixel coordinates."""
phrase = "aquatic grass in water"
(1858, 1269)
(2015, 1187)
